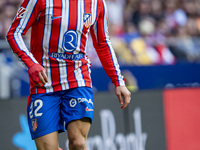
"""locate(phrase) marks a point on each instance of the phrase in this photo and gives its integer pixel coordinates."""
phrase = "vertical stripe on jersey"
(64, 27)
(94, 10)
(78, 63)
(87, 9)
(20, 29)
(46, 43)
(86, 67)
(54, 39)
(95, 20)
(80, 24)
(82, 72)
(72, 26)
(114, 59)
(89, 71)
(37, 54)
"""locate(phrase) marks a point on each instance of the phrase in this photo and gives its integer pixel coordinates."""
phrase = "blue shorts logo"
(70, 40)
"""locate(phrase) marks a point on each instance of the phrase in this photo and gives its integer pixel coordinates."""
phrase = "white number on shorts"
(38, 104)
(31, 112)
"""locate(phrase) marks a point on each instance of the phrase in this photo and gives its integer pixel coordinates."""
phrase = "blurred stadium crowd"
(143, 32)
(152, 32)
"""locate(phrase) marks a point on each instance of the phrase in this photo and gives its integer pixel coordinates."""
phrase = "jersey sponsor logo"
(87, 109)
(63, 56)
(72, 102)
(87, 19)
(34, 124)
(52, 17)
(21, 12)
(70, 40)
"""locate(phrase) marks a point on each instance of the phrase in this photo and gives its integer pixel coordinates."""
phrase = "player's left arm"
(106, 54)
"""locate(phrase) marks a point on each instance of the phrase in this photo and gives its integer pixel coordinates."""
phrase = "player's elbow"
(9, 35)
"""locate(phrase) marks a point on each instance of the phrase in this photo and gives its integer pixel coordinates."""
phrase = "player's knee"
(77, 143)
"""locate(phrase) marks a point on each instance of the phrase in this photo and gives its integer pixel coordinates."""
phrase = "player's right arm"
(26, 16)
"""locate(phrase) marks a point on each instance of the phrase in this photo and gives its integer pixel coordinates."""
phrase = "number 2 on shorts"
(38, 104)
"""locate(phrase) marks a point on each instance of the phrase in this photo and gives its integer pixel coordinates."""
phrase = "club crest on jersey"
(21, 12)
(34, 124)
(87, 19)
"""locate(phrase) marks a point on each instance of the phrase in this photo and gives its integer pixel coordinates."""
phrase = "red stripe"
(83, 37)
(34, 90)
(72, 26)
(85, 73)
(54, 45)
(84, 67)
(37, 48)
(25, 3)
(73, 15)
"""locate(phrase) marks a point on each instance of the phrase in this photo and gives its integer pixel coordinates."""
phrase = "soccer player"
(61, 94)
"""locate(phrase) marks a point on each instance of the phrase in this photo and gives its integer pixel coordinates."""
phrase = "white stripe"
(64, 28)
(78, 74)
(46, 41)
(94, 19)
(94, 10)
(120, 77)
(86, 43)
(80, 26)
(89, 70)
(20, 28)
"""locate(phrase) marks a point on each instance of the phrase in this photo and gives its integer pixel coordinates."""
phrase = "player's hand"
(37, 74)
(123, 92)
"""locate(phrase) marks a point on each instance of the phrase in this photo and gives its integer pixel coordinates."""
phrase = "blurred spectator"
(143, 10)
(184, 46)
(116, 16)
(190, 7)
(8, 10)
(157, 10)
(8, 14)
(2, 3)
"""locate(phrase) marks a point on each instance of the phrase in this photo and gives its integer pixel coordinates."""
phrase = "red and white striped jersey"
(59, 35)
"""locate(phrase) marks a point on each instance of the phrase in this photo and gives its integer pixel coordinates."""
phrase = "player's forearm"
(110, 65)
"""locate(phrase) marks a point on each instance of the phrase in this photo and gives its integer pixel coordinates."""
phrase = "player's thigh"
(47, 142)
(78, 129)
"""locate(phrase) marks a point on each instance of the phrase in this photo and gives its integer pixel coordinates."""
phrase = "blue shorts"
(51, 112)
